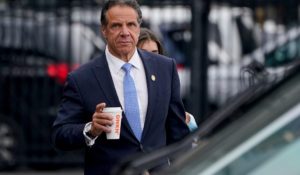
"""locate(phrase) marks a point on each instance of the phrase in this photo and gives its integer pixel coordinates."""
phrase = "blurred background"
(42, 40)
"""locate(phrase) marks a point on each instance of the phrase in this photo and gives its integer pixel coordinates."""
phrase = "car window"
(262, 153)
(266, 136)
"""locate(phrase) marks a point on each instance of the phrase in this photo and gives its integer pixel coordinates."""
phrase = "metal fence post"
(199, 64)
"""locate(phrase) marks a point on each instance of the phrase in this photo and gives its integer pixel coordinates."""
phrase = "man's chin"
(126, 46)
(126, 51)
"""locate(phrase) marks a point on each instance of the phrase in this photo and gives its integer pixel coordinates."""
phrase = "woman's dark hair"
(148, 35)
(111, 3)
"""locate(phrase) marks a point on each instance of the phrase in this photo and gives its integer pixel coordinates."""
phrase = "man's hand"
(187, 118)
(100, 121)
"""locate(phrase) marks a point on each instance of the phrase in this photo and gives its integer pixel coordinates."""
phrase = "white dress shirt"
(139, 76)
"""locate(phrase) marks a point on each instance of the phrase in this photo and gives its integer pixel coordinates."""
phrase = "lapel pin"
(153, 77)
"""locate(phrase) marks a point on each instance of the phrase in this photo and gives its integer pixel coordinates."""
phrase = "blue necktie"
(131, 102)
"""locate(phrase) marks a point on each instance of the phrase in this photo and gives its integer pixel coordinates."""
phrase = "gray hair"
(111, 3)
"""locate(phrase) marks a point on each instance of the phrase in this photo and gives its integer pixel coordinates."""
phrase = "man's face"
(122, 31)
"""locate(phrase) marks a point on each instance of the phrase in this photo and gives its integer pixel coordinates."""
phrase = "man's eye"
(115, 26)
(132, 25)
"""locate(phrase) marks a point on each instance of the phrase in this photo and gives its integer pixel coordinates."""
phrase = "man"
(98, 84)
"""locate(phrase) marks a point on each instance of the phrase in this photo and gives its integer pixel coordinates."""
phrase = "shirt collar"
(118, 63)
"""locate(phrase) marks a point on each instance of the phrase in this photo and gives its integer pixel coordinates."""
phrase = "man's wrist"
(89, 134)
(87, 131)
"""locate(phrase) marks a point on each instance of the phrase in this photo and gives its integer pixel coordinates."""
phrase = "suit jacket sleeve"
(175, 124)
(68, 127)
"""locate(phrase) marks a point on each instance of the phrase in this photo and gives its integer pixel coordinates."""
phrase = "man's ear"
(103, 31)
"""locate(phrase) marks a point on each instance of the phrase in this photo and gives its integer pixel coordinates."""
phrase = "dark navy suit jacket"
(91, 84)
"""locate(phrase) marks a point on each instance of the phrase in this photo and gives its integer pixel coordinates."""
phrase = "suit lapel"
(149, 65)
(102, 74)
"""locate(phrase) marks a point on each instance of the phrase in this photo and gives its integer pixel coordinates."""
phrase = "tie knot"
(126, 67)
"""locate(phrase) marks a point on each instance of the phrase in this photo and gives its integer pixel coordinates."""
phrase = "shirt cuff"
(88, 140)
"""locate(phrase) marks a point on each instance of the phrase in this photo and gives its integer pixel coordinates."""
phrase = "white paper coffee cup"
(116, 112)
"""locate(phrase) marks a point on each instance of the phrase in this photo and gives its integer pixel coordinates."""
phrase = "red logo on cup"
(117, 129)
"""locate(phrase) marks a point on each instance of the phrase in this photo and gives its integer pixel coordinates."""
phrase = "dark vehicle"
(257, 133)
(31, 84)
(37, 51)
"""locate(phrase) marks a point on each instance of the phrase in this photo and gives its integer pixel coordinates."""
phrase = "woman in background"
(149, 42)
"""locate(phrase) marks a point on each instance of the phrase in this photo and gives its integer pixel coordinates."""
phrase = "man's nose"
(124, 30)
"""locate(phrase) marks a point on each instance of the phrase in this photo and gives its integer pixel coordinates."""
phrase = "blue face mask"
(192, 124)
